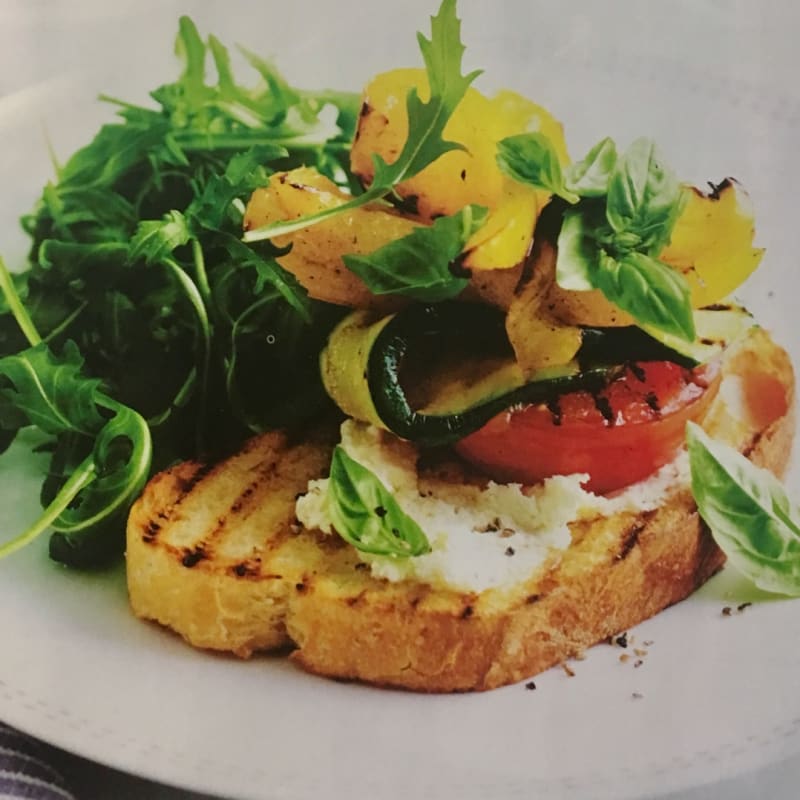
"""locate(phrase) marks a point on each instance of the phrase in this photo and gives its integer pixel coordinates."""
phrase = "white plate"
(716, 695)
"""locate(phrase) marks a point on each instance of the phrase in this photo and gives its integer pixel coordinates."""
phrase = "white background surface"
(715, 83)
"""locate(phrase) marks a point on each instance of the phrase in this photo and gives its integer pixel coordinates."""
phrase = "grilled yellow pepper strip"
(460, 177)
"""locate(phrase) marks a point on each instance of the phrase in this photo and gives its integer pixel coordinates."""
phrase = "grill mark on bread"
(631, 536)
(192, 556)
(151, 531)
(185, 485)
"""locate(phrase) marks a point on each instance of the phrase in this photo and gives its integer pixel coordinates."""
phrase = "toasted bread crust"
(215, 554)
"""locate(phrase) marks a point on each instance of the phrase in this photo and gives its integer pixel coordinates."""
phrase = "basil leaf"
(418, 265)
(530, 158)
(644, 199)
(578, 256)
(651, 292)
(750, 516)
(589, 177)
(366, 515)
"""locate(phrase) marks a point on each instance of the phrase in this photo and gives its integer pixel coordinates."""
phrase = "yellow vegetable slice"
(463, 176)
(712, 242)
(316, 255)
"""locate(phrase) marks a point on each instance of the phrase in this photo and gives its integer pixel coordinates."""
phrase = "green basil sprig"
(366, 515)
(749, 513)
(622, 213)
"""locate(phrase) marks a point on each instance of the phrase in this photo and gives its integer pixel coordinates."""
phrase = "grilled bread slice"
(215, 553)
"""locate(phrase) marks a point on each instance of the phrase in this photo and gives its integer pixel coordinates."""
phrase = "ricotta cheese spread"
(481, 537)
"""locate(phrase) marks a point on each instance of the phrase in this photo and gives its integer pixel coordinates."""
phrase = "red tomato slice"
(619, 435)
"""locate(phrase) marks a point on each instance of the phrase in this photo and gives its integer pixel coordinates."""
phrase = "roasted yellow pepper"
(316, 255)
(712, 242)
(463, 176)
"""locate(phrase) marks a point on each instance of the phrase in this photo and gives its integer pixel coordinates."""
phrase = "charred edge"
(193, 556)
(651, 398)
(631, 537)
(637, 371)
(467, 612)
(554, 407)
(602, 404)
(366, 109)
(718, 307)
(301, 587)
(718, 188)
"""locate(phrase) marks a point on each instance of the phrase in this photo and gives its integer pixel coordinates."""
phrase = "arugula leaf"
(365, 514)
(243, 173)
(749, 513)
(48, 392)
(442, 54)
(530, 158)
(155, 240)
(418, 265)
(589, 177)
(651, 292)
(644, 199)
(51, 393)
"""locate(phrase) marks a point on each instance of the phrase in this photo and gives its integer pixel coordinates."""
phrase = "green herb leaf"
(749, 513)
(530, 158)
(578, 259)
(49, 392)
(644, 199)
(155, 240)
(418, 265)
(651, 292)
(366, 515)
(589, 177)
(442, 54)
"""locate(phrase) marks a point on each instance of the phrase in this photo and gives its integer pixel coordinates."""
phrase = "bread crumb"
(637, 695)
(638, 651)
(567, 669)
(624, 658)
(530, 685)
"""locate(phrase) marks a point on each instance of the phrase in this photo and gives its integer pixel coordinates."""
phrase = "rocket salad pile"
(238, 259)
